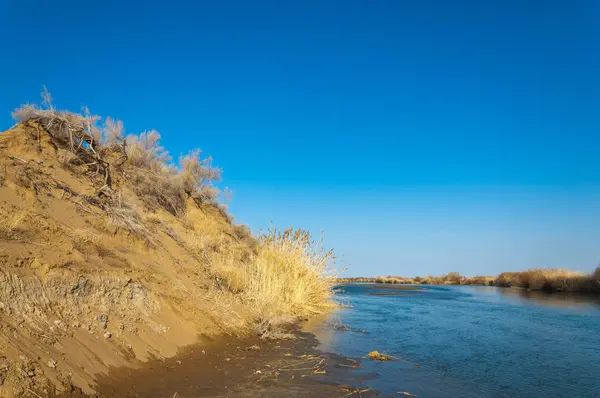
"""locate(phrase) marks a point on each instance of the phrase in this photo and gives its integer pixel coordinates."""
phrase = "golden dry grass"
(552, 279)
(377, 356)
(9, 224)
(293, 272)
(279, 277)
(84, 238)
(393, 280)
(287, 278)
(110, 227)
(545, 279)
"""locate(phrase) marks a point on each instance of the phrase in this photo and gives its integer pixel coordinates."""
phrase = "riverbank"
(537, 279)
(242, 368)
(112, 255)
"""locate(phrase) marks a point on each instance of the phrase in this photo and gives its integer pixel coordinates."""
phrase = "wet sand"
(243, 368)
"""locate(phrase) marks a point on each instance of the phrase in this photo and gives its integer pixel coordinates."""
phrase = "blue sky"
(422, 136)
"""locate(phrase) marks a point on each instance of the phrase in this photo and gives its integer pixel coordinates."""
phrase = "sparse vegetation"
(551, 280)
(111, 158)
(534, 279)
(288, 277)
(101, 231)
(393, 280)
(280, 276)
(9, 224)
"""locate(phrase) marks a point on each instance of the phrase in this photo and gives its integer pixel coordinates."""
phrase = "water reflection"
(471, 341)
(554, 299)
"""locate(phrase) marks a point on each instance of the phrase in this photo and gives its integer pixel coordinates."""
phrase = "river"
(469, 341)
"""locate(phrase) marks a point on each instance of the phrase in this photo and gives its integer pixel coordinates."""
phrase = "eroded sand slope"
(78, 293)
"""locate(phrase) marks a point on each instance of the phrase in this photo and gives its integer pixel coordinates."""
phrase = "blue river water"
(469, 341)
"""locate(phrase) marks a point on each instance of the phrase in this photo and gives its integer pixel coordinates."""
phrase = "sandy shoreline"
(242, 367)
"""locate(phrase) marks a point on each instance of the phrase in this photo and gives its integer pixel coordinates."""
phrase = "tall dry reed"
(288, 277)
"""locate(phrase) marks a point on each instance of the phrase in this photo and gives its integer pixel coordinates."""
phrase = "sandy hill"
(103, 264)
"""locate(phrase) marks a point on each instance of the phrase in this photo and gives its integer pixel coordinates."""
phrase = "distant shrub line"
(533, 279)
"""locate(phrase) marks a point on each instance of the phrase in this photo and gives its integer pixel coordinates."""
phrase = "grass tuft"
(9, 224)
(289, 277)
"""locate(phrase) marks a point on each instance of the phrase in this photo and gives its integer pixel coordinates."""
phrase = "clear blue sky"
(422, 136)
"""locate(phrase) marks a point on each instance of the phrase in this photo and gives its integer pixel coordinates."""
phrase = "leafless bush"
(71, 128)
(144, 163)
(113, 132)
(197, 173)
(157, 189)
(144, 151)
(76, 132)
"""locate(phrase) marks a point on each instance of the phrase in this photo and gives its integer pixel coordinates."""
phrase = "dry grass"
(288, 278)
(551, 280)
(84, 239)
(122, 214)
(139, 159)
(278, 278)
(479, 280)
(88, 241)
(9, 224)
(377, 356)
(393, 280)
(290, 275)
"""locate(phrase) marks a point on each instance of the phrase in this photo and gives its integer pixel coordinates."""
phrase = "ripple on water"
(472, 341)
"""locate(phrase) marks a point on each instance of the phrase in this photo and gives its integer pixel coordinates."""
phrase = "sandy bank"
(112, 256)
(241, 368)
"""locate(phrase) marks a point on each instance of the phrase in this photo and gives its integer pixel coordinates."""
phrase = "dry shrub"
(113, 133)
(453, 278)
(197, 174)
(551, 279)
(151, 175)
(242, 232)
(144, 151)
(508, 279)
(478, 280)
(144, 163)
(231, 275)
(393, 280)
(160, 184)
(156, 189)
(77, 133)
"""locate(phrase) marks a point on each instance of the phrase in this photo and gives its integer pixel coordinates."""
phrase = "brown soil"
(242, 368)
